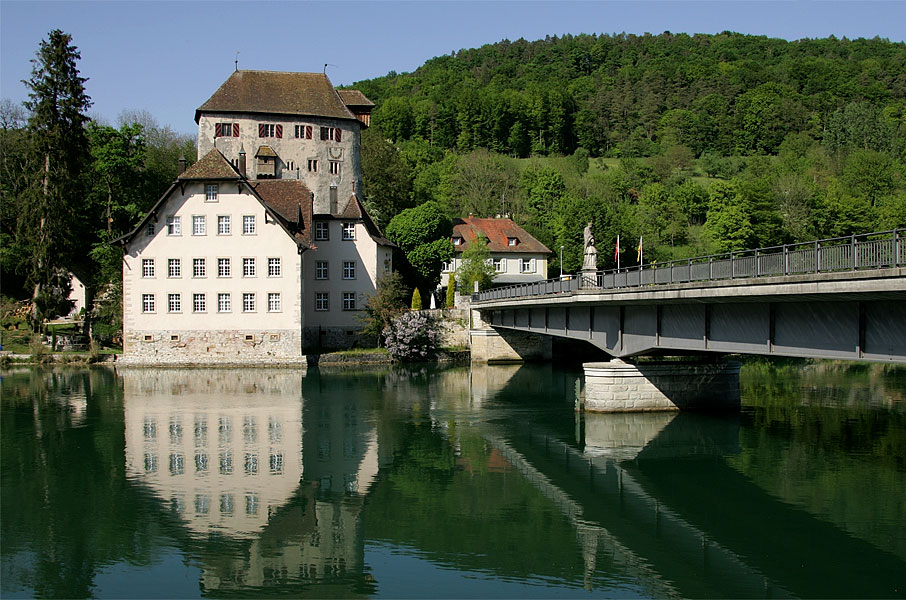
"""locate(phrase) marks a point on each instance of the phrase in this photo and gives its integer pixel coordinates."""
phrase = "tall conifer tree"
(58, 102)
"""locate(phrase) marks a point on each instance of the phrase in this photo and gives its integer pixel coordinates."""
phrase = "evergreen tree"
(53, 222)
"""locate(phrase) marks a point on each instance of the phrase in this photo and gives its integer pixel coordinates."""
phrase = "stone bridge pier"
(618, 386)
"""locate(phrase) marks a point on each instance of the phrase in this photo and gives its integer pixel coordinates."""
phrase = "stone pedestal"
(589, 278)
(617, 386)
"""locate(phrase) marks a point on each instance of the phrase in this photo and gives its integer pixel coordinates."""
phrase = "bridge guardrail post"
(756, 262)
(786, 260)
(732, 266)
(896, 247)
(855, 257)
(817, 257)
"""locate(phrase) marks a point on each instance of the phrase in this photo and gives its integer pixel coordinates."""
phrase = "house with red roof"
(518, 257)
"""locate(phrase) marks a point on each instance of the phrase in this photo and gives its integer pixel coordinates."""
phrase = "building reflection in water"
(239, 455)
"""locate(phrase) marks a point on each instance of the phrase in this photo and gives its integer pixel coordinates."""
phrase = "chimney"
(333, 198)
(242, 160)
(182, 164)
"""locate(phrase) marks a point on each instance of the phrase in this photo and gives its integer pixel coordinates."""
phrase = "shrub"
(387, 302)
(412, 336)
(416, 300)
(451, 291)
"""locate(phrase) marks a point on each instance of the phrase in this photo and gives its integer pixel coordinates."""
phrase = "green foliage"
(476, 266)
(386, 178)
(416, 300)
(423, 234)
(451, 291)
(387, 302)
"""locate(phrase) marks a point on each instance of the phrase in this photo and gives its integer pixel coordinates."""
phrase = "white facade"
(510, 268)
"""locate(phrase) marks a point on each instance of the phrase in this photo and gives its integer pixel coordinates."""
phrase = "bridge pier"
(507, 345)
(617, 386)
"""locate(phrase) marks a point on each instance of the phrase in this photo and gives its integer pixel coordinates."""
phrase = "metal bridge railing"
(853, 253)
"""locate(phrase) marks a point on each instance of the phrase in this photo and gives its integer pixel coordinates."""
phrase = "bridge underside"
(868, 329)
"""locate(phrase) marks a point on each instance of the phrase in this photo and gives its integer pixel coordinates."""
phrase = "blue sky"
(169, 57)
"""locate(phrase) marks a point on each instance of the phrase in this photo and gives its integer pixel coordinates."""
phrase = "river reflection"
(466, 482)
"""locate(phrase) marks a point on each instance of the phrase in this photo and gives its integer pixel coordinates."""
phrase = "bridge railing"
(852, 253)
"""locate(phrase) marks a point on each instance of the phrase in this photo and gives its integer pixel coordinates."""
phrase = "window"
(321, 269)
(511, 241)
(224, 304)
(348, 300)
(174, 267)
(226, 129)
(174, 303)
(149, 230)
(248, 225)
(499, 265)
(270, 130)
(331, 133)
(334, 167)
(223, 225)
(276, 462)
(198, 267)
(173, 225)
(322, 231)
(457, 241)
(223, 267)
(199, 225)
(251, 463)
(348, 269)
(248, 302)
(198, 303)
(303, 132)
(527, 265)
(348, 231)
(147, 267)
(210, 192)
(321, 301)
(273, 267)
(312, 165)
(273, 302)
(248, 267)
(147, 303)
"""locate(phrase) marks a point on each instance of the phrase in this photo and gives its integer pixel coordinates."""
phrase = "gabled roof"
(212, 165)
(356, 211)
(277, 92)
(290, 199)
(355, 98)
(498, 232)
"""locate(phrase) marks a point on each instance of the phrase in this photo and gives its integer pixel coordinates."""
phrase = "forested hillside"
(698, 143)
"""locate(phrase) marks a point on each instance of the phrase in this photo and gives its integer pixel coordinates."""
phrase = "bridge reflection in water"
(651, 499)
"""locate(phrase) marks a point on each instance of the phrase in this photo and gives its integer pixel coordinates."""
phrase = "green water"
(466, 482)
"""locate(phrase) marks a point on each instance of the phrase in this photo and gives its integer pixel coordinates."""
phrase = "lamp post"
(561, 262)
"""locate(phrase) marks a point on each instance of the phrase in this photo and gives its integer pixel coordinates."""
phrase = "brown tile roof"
(497, 231)
(265, 151)
(291, 200)
(212, 165)
(354, 98)
(277, 92)
(355, 210)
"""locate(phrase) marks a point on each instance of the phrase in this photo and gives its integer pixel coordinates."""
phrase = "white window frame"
(174, 225)
(174, 303)
(499, 265)
(322, 301)
(148, 303)
(348, 269)
(274, 266)
(457, 241)
(224, 225)
(199, 225)
(147, 268)
(526, 265)
(322, 231)
(249, 268)
(322, 270)
(274, 302)
(312, 165)
(174, 268)
(199, 268)
(512, 241)
(349, 232)
(224, 267)
(199, 303)
(211, 189)
(349, 301)
(249, 225)
(248, 302)
(224, 302)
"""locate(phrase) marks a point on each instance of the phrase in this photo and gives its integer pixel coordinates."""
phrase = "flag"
(639, 257)
(616, 253)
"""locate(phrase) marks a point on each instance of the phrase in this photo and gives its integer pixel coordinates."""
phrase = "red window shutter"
(279, 131)
(217, 132)
(235, 129)
(261, 129)
(308, 132)
(337, 135)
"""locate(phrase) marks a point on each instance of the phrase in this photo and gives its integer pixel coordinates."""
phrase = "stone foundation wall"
(318, 339)
(617, 386)
(506, 345)
(453, 324)
(212, 347)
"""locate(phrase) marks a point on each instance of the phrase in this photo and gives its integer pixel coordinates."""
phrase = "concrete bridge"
(839, 299)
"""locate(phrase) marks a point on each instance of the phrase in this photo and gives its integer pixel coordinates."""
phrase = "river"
(476, 481)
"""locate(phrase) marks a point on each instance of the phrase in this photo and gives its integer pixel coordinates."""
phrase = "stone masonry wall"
(212, 347)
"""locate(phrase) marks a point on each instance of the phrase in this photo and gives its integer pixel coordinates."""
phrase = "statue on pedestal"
(590, 254)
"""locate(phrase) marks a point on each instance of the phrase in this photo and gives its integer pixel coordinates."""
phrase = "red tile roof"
(291, 200)
(498, 232)
(277, 92)
(212, 165)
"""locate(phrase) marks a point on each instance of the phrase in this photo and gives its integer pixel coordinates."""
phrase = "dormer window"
(457, 241)
(210, 192)
(512, 241)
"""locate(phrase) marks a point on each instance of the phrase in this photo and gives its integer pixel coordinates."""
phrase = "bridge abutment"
(617, 386)
(506, 345)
